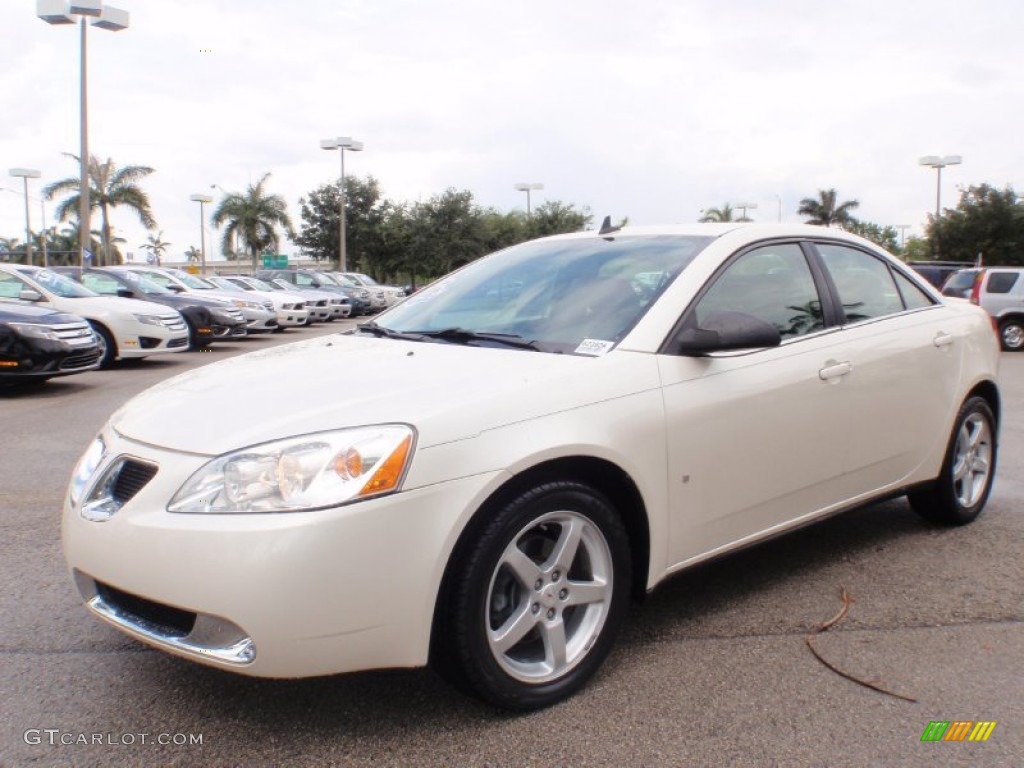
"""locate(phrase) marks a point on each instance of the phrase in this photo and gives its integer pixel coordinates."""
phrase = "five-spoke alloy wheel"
(534, 609)
(961, 490)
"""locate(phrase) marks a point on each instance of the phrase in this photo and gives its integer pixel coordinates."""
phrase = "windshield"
(559, 293)
(193, 282)
(61, 286)
(341, 280)
(257, 284)
(143, 284)
(360, 278)
(223, 282)
(960, 283)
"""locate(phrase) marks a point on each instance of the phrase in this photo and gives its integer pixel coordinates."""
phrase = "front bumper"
(271, 595)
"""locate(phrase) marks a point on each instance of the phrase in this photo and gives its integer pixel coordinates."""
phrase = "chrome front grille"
(173, 322)
(74, 334)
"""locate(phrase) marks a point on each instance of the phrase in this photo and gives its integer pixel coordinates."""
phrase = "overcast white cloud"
(652, 110)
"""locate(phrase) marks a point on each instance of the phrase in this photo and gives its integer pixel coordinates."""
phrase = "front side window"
(865, 284)
(11, 286)
(772, 283)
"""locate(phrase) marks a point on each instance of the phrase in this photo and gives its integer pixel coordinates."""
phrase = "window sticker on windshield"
(594, 347)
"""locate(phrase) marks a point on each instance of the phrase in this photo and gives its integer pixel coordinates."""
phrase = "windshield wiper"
(463, 336)
(380, 331)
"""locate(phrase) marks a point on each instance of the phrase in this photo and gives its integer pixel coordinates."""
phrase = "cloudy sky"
(653, 109)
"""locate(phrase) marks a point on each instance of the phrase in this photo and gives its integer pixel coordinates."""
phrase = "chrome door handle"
(942, 339)
(834, 370)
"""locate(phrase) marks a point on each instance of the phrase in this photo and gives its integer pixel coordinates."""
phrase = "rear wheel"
(962, 488)
(533, 610)
(1011, 334)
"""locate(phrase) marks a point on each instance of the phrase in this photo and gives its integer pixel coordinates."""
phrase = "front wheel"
(1011, 335)
(533, 610)
(962, 487)
(108, 347)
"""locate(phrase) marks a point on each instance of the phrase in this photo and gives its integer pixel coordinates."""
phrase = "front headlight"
(85, 468)
(31, 330)
(149, 319)
(315, 471)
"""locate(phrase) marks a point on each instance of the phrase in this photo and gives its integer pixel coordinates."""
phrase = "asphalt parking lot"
(712, 669)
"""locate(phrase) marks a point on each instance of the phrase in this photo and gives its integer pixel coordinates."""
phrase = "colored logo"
(958, 730)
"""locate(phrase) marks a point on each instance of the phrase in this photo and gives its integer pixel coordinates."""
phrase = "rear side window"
(913, 297)
(865, 284)
(1002, 282)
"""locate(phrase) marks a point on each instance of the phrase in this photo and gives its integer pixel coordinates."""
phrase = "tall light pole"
(42, 213)
(202, 200)
(938, 163)
(25, 174)
(779, 198)
(903, 233)
(341, 144)
(105, 17)
(526, 187)
(743, 207)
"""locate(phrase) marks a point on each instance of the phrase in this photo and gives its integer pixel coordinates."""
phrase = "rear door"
(904, 356)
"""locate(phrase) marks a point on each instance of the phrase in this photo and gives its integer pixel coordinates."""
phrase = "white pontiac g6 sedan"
(531, 441)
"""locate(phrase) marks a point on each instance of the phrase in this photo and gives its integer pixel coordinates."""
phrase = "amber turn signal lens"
(389, 473)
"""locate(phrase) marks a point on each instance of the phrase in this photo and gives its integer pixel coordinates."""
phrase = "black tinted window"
(1002, 282)
(773, 283)
(866, 287)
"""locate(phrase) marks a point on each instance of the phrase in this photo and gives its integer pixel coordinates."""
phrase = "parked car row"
(64, 320)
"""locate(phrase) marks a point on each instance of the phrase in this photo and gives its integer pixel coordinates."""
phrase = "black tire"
(959, 493)
(1011, 334)
(107, 344)
(559, 628)
(193, 337)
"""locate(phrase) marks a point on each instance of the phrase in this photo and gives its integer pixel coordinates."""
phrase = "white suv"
(125, 327)
(1000, 292)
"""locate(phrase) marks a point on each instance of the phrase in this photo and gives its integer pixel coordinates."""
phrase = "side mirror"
(125, 293)
(176, 288)
(30, 294)
(727, 331)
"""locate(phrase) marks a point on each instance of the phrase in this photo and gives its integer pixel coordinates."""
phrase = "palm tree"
(110, 187)
(253, 216)
(825, 211)
(725, 213)
(193, 255)
(156, 246)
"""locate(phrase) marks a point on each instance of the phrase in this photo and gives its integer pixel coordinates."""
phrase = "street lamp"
(938, 163)
(25, 174)
(743, 207)
(903, 233)
(105, 17)
(42, 213)
(202, 200)
(341, 144)
(524, 186)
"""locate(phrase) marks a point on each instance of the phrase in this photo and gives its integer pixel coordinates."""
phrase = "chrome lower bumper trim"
(211, 637)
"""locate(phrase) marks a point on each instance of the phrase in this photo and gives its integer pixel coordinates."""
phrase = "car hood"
(448, 392)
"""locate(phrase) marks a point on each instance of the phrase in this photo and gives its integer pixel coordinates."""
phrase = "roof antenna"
(606, 227)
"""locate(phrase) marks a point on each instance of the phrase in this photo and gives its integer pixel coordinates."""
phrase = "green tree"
(193, 255)
(156, 246)
(110, 187)
(723, 214)
(826, 211)
(364, 211)
(886, 236)
(555, 218)
(253, 216)
(987, 221)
